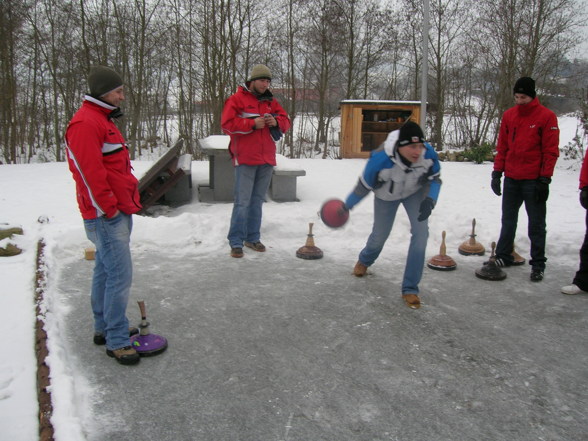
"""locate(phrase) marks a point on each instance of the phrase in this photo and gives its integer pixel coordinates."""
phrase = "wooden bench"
(283, 185)
(167, 171)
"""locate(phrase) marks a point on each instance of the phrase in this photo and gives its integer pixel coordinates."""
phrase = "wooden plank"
(162, 176)
(153, 193)
(160, 165)
(357, 121)
(346, 131)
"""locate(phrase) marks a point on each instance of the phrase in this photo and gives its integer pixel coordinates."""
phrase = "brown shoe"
(257, 246)
(359, 270)
(412, 301)
(237, 252)
(126, 355)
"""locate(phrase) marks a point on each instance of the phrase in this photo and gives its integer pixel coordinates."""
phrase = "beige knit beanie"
(260, 71)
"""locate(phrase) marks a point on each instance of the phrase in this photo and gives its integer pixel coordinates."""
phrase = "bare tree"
(50, 22)
(180, 59)
(291, 79)
(524, 38)
(227, 42)
(138, 37)
(184, 64)
(413, 15)
(10, 30)
(448, 18)
(391, 77)
(325, 67)
(364, 40)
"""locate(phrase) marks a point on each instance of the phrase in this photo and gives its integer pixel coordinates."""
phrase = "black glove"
(542, 189)
(275, 130)
(495, 183)
(342, 210)
(276, 133)
(426, 207)
(584, 197)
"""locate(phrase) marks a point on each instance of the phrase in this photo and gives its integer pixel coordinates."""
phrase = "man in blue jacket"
(405, 170)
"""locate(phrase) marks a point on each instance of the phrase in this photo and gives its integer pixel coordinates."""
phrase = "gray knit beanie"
(102, 80)
(260, 71)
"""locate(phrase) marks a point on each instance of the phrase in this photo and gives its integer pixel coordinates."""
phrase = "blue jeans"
(384, 215)
(113, 274)
(251, 185)
(514, 193)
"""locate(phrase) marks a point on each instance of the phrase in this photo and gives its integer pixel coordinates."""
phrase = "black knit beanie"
(102, 80)
(526, 86)
(410, 133)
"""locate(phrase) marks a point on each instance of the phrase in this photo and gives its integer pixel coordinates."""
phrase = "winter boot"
(237, 252)
(412, 301)
(536, 275)
(126, 355)
(257, 246)
(360, 269)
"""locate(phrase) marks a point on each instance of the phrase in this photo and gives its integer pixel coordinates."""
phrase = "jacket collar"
(105, 107)
(390, 143)
(526, 109)
(266, 96)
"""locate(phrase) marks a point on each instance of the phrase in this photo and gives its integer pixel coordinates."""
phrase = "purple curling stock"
(150, 344)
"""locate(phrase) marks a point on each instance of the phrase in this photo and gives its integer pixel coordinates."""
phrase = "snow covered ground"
(197, 229)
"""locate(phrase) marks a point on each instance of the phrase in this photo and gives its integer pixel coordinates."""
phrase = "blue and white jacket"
(391, 179)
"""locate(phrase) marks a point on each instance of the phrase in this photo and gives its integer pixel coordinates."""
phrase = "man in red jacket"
(527, 150)
(254, 120)
(580, 283)
(107, 194)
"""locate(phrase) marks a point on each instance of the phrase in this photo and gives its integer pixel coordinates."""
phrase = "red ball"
(333, 214)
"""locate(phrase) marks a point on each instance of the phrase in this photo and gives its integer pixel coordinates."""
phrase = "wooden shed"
(365, 124)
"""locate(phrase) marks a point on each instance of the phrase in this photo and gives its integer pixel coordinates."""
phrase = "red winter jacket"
(528, 142)
(584, 173)
(250, 146)
(99, 162)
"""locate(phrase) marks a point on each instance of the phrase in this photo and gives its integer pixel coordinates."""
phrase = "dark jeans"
(581, 279)
(514, 193)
